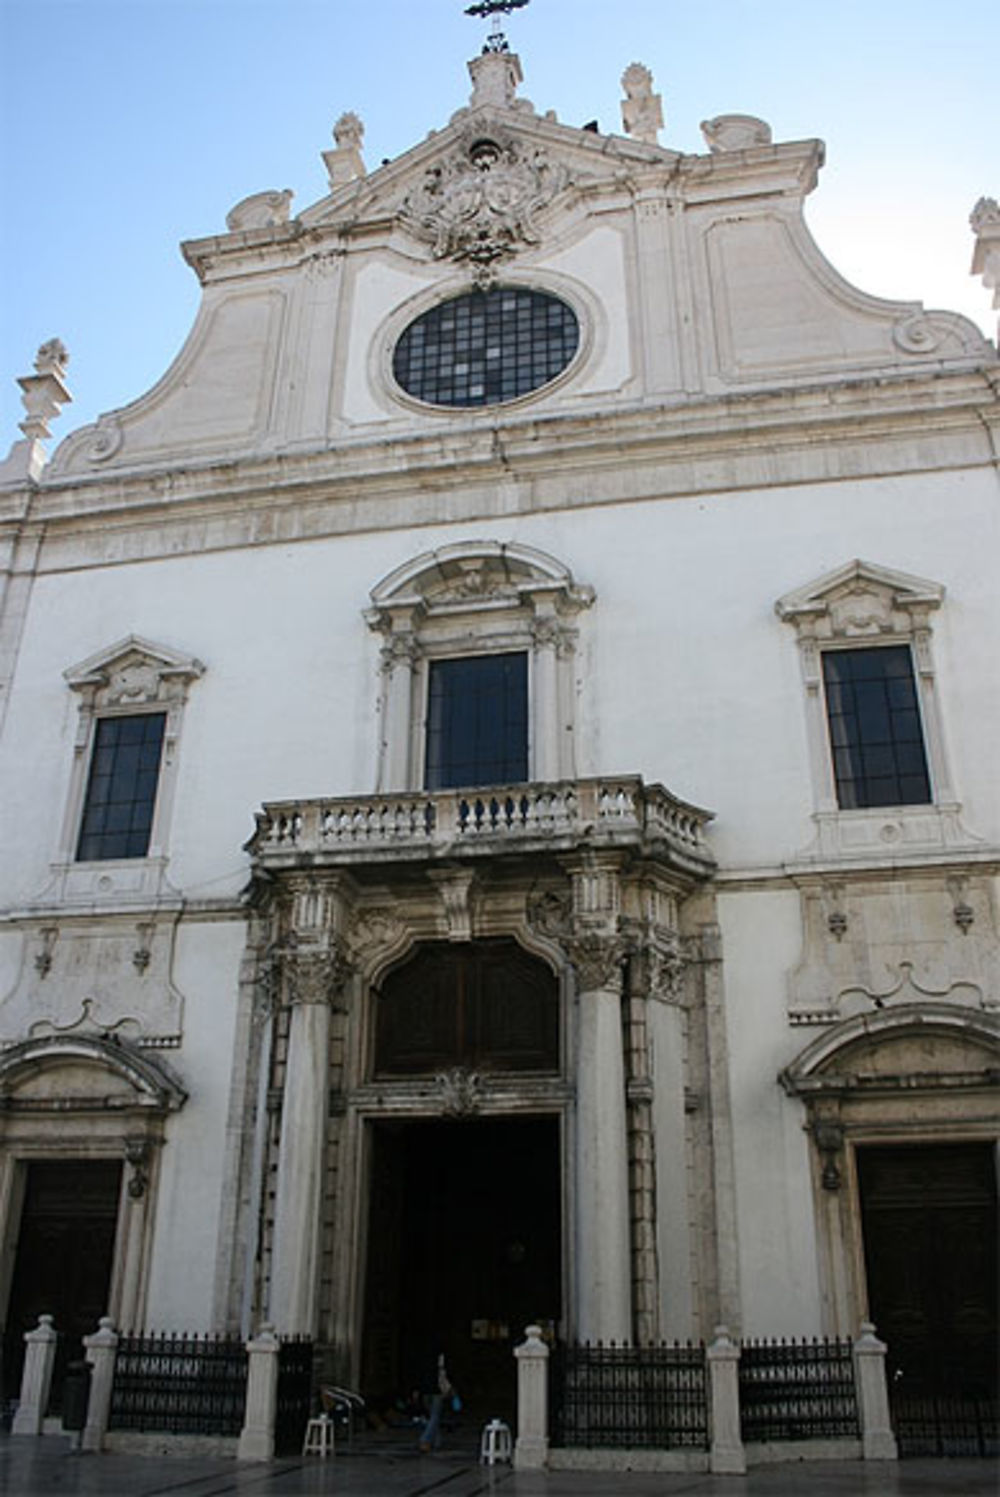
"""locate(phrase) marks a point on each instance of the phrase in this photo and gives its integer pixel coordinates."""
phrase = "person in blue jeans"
(430, 1435)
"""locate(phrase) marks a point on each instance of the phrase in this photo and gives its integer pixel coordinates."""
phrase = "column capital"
(315, 976)
(598, 957)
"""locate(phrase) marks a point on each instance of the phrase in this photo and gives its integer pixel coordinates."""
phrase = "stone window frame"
(129, 678)
(476, 598)
(860, 606)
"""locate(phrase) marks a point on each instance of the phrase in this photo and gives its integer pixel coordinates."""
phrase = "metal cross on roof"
(493, 9)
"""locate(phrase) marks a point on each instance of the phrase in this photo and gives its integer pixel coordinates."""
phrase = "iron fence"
(945, 1424)
(797, 1390)
(629, 1397)
(295, 1394)
(179, 1384)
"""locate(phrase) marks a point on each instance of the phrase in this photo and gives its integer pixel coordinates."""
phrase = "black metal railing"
(295, 1394)
(179, 1384)
(957, 1423)
(629, 1397)
(797, 1390)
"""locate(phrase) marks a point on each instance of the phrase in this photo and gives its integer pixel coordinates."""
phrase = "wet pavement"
(48, 1467)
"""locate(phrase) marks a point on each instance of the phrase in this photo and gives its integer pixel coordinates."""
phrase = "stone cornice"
(845, 431)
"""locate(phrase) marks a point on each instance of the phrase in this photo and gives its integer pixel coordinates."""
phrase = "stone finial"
(262, 210)
(735, 132)
(642, 110)
(985, 222)
(346, 163)
(349, 132)
(44, 393)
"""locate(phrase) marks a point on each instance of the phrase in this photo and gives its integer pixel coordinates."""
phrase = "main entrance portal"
(464, 1251)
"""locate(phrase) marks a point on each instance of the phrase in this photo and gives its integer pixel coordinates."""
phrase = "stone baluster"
(257, 1435)
(36, 1379)
(878, 1440)
(726, 1454)
(531, 1449)
(100, 1350)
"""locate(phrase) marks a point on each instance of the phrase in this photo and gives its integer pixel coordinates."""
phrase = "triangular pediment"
(133, 670)
(529, 146)
(862, 591)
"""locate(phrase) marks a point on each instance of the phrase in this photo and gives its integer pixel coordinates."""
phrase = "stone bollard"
(726, 1454)
(36, 1379)
(257, 1434)
(531, 1449)
(100, 1350)
(877, 1438)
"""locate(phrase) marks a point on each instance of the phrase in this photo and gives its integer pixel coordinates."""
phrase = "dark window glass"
(484, 1004)
(875, 732)
(477, 721)
(485, 347)
(121, 791)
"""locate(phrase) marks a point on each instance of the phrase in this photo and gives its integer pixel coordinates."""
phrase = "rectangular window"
(876, 737)
(477, 721)
(121, 790)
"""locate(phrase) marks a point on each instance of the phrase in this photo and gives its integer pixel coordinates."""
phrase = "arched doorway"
(904, 1117)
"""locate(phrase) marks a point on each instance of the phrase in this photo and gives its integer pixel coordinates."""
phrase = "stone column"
(36, 1379)
(878, 1440)
(100, 1350)
(726, 1454)
(399, 658)
(597, 951)
(313, 974)
(547, 636)
(531, 1450)
(257, 1434)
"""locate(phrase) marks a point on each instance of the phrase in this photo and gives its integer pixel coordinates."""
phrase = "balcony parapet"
(421, 826)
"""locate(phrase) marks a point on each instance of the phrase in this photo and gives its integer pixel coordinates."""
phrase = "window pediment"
(858, 601)
(133, 673)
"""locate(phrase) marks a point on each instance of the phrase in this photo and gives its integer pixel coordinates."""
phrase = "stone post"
(726, 1454)
(399, 658)
(257, 1434)
(531, 1450)
(878, 1440)
(547, 636)
(36, 1379)
(100, 1350)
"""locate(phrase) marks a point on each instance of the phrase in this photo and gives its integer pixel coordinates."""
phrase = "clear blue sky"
(129, 125)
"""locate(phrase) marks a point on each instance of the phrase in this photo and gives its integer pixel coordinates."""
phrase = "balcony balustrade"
(418, 826)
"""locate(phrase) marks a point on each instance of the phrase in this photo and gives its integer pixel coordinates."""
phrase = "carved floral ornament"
(478, 205)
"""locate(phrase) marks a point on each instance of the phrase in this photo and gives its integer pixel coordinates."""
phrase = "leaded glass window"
(486, 347)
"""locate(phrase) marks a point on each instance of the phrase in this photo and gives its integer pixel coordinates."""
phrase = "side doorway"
(63, 1260)
(929, 1224)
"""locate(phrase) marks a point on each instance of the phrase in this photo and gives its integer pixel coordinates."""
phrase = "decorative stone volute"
(735, 132)
(262, 210)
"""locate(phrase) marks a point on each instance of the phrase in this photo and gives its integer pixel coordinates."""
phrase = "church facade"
(501, 818)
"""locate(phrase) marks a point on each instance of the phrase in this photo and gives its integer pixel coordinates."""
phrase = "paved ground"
(47, 1468)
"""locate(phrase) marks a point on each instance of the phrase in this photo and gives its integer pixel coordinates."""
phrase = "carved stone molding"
(316, 976)
(598, 958)
(478, 205)
(460, 1092)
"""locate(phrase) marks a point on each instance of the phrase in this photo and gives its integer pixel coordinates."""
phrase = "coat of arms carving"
(478, 205)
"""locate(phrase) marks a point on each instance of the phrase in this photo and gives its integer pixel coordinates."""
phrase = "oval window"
(486, 347)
